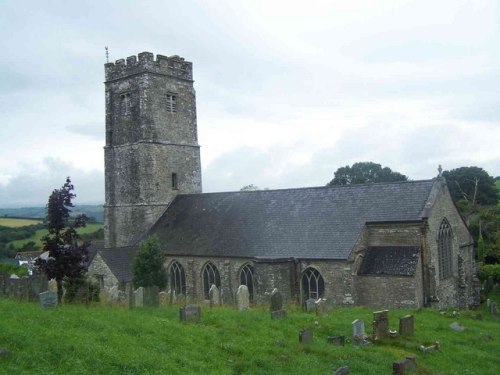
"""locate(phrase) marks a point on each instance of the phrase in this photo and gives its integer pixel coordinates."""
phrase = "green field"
(16, 223)
(89, 228)
(103, 340)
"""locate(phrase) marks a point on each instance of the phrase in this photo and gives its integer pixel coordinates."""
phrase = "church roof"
(120, 260)
(390, 260)
(305, 223)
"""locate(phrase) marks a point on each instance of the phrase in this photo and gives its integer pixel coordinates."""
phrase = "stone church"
(399, 244)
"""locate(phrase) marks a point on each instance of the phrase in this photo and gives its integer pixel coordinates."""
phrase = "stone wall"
(459, 290)
(24, 289)
(387, 292)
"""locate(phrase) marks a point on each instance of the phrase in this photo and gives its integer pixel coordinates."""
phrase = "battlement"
(174, 66)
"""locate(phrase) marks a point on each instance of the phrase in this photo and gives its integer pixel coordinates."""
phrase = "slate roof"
(390, 260)
(119, 260)
(306, 223)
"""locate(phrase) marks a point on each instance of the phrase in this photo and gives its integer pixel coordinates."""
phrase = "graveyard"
(210, 338)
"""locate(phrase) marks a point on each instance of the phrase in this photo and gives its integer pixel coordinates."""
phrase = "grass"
(103, 340)
(16, 223)
(37, 238)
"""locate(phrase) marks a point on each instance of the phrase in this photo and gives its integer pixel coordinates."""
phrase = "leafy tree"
(472, 184)
(365, 172)
(148, 264)
(67, 254)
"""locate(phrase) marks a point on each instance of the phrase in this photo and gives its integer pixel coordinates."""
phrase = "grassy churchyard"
(112, 340)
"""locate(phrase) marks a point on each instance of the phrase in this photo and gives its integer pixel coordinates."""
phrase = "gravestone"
(113, 295)
(493, 308)
(242, 298)
(52, 285)
(406, 325)
(342, 371)
(278, 314)
(431, 348)
(3, 352)
(358, 331)
(381, 324)
(322, 306)
(404, 366)
(163, 298)
(48, 300)
(306, 336)
(336, 340)
(151, 297)
(276, 300)
(310, 305)
(214, 296)
(139, 297)
(190, 313)
(457, 327)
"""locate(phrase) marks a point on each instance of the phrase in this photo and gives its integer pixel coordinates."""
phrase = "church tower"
(152, 152)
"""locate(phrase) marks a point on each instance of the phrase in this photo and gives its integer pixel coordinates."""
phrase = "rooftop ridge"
(174, 66)
(350, 186)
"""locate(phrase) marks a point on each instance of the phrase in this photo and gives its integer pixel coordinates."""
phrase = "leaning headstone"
(404, 366)
(406, 325)
(381, 324)
(342, 371)
(306, 336)
(276, 300)
(457, 327)
(214, 296)
(48, 300)
(163, 298)
(151, 296)
(139, 297)
(242, 298)
(358, 331)
(336, 340)
(190, 313)
(310, 305)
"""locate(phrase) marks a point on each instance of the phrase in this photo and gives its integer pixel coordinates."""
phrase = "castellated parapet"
(152, 152)
(174, 66)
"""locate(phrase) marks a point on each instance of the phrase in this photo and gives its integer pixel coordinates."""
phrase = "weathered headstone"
(139, 297)
(151, 296)
(358, 331)
(214, 296)
(342, 371)
(404, 366)
(48, 299)
(406, 325)
(276, 300)
(278, 314)
(323, 306)
(336, 340)
(381, 324)
(457, 327)
(493, 308)
(306, 336)
(163, 298)
(310, 305)
(242, 298)
(190, 313)
(53, 285)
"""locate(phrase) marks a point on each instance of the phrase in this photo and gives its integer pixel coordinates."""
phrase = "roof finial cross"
(440, 170)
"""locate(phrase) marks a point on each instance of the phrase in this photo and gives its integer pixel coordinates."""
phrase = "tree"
(148, 264)
(365, 172)
(472, 184)
(67, 254)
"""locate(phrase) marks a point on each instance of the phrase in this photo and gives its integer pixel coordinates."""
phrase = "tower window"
(175, 185)
(171, 103)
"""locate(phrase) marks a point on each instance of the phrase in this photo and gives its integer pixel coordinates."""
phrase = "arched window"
(246, 278)
(210, 276)
(177, 279)
(444, 250)
(313, 285)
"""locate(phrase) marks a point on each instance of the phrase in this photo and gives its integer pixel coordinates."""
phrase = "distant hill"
(95, 211)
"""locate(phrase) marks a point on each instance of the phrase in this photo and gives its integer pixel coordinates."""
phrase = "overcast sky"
(287, 91)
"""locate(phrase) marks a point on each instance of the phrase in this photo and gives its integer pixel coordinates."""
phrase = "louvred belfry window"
(171, 103)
